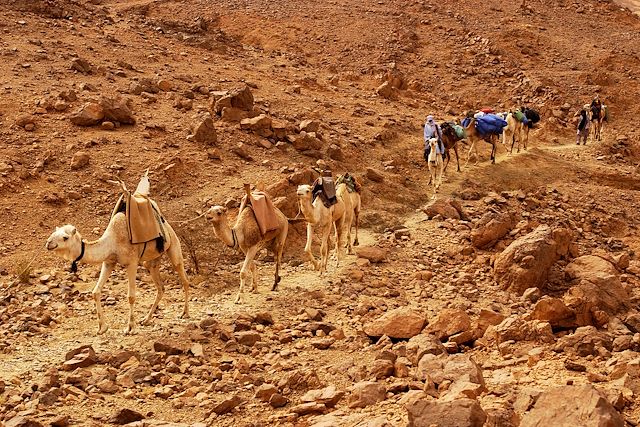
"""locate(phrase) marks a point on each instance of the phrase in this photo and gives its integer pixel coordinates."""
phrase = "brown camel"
(245, 236)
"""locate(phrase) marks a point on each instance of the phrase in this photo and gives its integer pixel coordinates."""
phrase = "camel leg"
(131, 295)
(105, 272)
(357, 218)
(307, 247)
(340, 226)
(469, 154)
(244, 271)
(154, 269)
(177, 261)
(254, 276)
(280, 241)
(324, 248)
(455, 150)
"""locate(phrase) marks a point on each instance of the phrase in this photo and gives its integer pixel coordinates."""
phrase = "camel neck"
(224, 233)
(309, 210)
(97, 251)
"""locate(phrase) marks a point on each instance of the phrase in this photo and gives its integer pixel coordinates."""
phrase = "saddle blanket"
(325, 189)
(144, 220)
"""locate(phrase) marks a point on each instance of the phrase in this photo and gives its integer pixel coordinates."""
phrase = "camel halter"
(235, 239)
(74, 264)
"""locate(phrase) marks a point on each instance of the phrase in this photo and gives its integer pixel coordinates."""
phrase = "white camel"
(356, 206)
(435, 164)
(114, 247)
(317, 214)
(245, 235)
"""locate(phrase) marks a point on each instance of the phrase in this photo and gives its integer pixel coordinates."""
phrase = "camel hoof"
(355, 242)
(102, 330)
(184, 315)
(129, 330)
(146, 321)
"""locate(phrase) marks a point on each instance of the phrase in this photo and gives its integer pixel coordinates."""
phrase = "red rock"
(459, 413)
(372, 253)
(125, 416)
(402, 322)
(570, 406)
(366, 393)
(89, 114)
(227, 405)
(81, 357)
(449, 322)
(170, 347)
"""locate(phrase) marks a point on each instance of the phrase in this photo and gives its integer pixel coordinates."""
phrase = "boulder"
(526, 261)
(422, 344)
(240, 98)
(402, 322)
(265, 391)
(79, 160)
(81, 357)
(374, 175)
(585, 341)
(203, 131)
(328, 396)
(570, 406)
(446, 208)
(458, 413)
(21, 421)
(491, 228)
(449, 322)
(125, 416)
(305, 142)
(366, 393)
(260, 124)
(554, 311)
(599, 292)
(170, 347)
(372, 253)
(227, 405)
(386, 91)
(89, 114)
(515, 328)
(117, 110)
(310, 125)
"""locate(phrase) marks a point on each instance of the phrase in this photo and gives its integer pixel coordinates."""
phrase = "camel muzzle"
(51, 245)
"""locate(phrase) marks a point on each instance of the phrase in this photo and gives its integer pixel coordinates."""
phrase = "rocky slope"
(510, 299)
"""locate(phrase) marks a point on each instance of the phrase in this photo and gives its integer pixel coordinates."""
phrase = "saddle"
(144, 219)
(324, 188)
(263, 210)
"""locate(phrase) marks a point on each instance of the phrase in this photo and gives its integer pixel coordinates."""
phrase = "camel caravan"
(138, 233)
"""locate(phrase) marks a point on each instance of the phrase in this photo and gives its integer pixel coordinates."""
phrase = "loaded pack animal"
(248, 237)
(115, 247)
(450, 139)
(533, 117)
(598, 115)
(323, 212)
(354, 190)
(485, 128)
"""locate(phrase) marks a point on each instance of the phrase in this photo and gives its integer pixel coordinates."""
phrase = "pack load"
(460, 131)
(145, 222)
(325, 188)
(263, 209)
(532, 116)
(487, 110)
(519, 116)
(605, 109)
(490, 124)
(353, 186)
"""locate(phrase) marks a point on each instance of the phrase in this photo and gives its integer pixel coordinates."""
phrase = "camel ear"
(224, 209)
(73, 231)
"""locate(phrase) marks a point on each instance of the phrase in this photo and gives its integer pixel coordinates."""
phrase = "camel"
(316, 213)
(114, 247)
(513, 132)
(597, 122)
(356, 205)
(245, 235)
(435, 163)
(474, 136)
(450, 140)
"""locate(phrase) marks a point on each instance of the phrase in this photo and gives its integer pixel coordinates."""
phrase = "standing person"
(432, 130)
(583, 128)
(596, 108)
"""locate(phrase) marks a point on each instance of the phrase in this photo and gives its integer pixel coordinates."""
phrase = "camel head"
(304, 192)
(65, 241)
(216, 213)
(433, 147)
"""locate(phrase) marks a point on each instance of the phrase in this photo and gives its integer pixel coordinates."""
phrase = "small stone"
(108, 125)
(278, 401)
